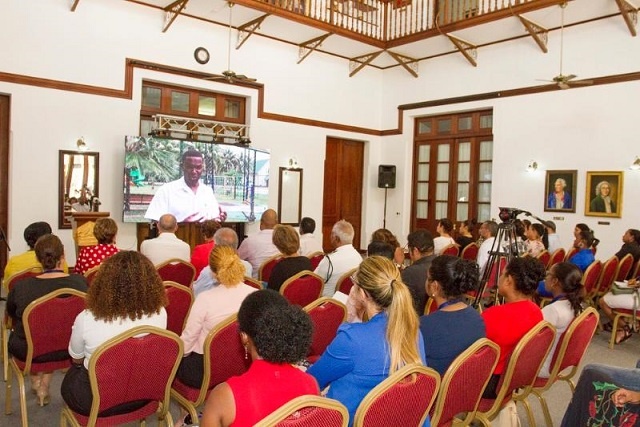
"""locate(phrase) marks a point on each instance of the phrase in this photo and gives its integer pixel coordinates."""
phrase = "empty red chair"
(303, 288)
(177, 270)
(327, 314)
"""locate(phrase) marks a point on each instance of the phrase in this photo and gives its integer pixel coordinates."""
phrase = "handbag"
(621, 288)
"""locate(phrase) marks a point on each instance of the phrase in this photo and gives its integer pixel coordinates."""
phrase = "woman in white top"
(564, 281)
(444, 229)
(126, 293)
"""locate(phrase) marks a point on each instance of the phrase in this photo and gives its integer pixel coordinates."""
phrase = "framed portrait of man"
(560, 191)
(603, 196)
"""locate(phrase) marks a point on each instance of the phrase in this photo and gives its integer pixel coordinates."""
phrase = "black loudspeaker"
(386, 176)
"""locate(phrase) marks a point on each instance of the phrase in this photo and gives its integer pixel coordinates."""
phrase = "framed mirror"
(290, 196)
(77, 184)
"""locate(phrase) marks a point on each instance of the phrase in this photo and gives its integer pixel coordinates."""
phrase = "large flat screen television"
(238, 177)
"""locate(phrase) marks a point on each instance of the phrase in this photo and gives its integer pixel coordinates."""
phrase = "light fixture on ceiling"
(532, 166)
(635, 165)
(81, 145)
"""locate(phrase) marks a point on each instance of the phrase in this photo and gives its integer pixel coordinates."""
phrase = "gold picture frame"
(604, 194)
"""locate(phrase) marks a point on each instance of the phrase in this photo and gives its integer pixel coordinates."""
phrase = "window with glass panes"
(453, 156)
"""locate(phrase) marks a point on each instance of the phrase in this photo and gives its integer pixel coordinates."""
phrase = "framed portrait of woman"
(560, 191)
(603, 196)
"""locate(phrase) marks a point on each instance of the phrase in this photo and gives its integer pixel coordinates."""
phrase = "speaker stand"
(384, 218)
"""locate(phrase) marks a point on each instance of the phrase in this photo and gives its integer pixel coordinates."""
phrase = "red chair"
(129, 368)
(571, 253)
(590, 280)
(522, 369)
(59, 309)
(557, 256)
(254, 283)
(430, 306)
(569, 352)
(345, 283)
(180, 301)
(545, 258)
(327, 314)
(177, 270)
(452, 250)
(470, 371)
(470, 252)
(264, 272)
(303, 288)
(308, 411)
(315, 259)
(496, 270)
(7, 323)
(624, 267)
(631, 316)
(636, 271)
(224, 357)
(403, 399)
(91, 274)
(607, 277)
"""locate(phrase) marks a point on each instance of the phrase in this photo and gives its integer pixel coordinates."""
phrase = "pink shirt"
(210, 308)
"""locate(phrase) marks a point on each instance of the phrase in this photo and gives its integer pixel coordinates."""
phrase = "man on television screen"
(186, 198)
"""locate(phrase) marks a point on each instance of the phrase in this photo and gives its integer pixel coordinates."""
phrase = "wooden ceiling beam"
(468, 50)
(246, 30)
(172, 11)
(359, 62)
(305, 48)
(74, 5)
(409, 64)
(538, 32)
(630, 14)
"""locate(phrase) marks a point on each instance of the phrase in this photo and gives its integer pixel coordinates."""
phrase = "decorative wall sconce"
(635, 165)
(81, 145)
(293, 163)
(532, 166)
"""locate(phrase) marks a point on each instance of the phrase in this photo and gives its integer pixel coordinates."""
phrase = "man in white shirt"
(224, 236)
(488, 231)
(186, 198)
(166, 245)
(308, 242)
(344, 258)
(259, 247)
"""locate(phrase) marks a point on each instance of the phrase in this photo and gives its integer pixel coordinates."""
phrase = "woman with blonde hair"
(209, 309)
(363, 354)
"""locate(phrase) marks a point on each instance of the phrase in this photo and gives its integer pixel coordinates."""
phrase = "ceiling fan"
(565, 81)
(229, 75)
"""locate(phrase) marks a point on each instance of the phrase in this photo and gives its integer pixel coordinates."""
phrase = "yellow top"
(24, 261)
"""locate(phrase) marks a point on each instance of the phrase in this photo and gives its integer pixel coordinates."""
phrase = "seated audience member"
(50, 254)
(276, 335)
(564, 282)
(444, 229)
(28, 259)
(553, 240)
(308, 242)
(534, 245)
(167, 245)
(114, 306)
(488, 231)
(605, 396)
(384, 235)
(381, 248)
(507, 323)
(610, 302)
(105, 232)
(630, 245)
(209, 309)
(420, 243)
(259, 247)
(224, 236)
(465, 236)
(344, 258)
(584, 227)
(200, 254)
(287, 241)
(363, 354)
(455, 326)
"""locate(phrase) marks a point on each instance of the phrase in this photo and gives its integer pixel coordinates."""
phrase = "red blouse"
(200, 256)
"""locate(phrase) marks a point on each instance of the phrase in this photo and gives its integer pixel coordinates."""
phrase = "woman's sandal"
(626, 334)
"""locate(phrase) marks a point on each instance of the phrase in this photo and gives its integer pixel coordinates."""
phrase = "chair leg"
(5, 351)
(614, 330)
(545, 408)
(7, 393)
(23, 400)
(527, 407)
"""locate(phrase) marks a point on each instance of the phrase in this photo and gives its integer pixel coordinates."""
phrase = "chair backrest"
(430, 306)
(452, 250)
(591, 277)
(91, 274)
(571, 253)
(470, 252)
(10, 282)
(136, 365)
(326, 315)
(403, 399)
(545, 258)
(254, 283)
(180, 302)
(556, 257)
(308, 411)
(470, 371)
(177, 270)
(624, 267)
(315, 259)
(345, 283)
(264, 272)
(496, 270)
(302, 288)
(636, 271)
(48, 321)
(608, 275)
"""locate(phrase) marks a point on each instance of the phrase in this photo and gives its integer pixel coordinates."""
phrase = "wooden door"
(342, 196)
(4, 176)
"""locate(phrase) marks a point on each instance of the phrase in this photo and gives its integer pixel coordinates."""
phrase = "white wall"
(561, 130)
